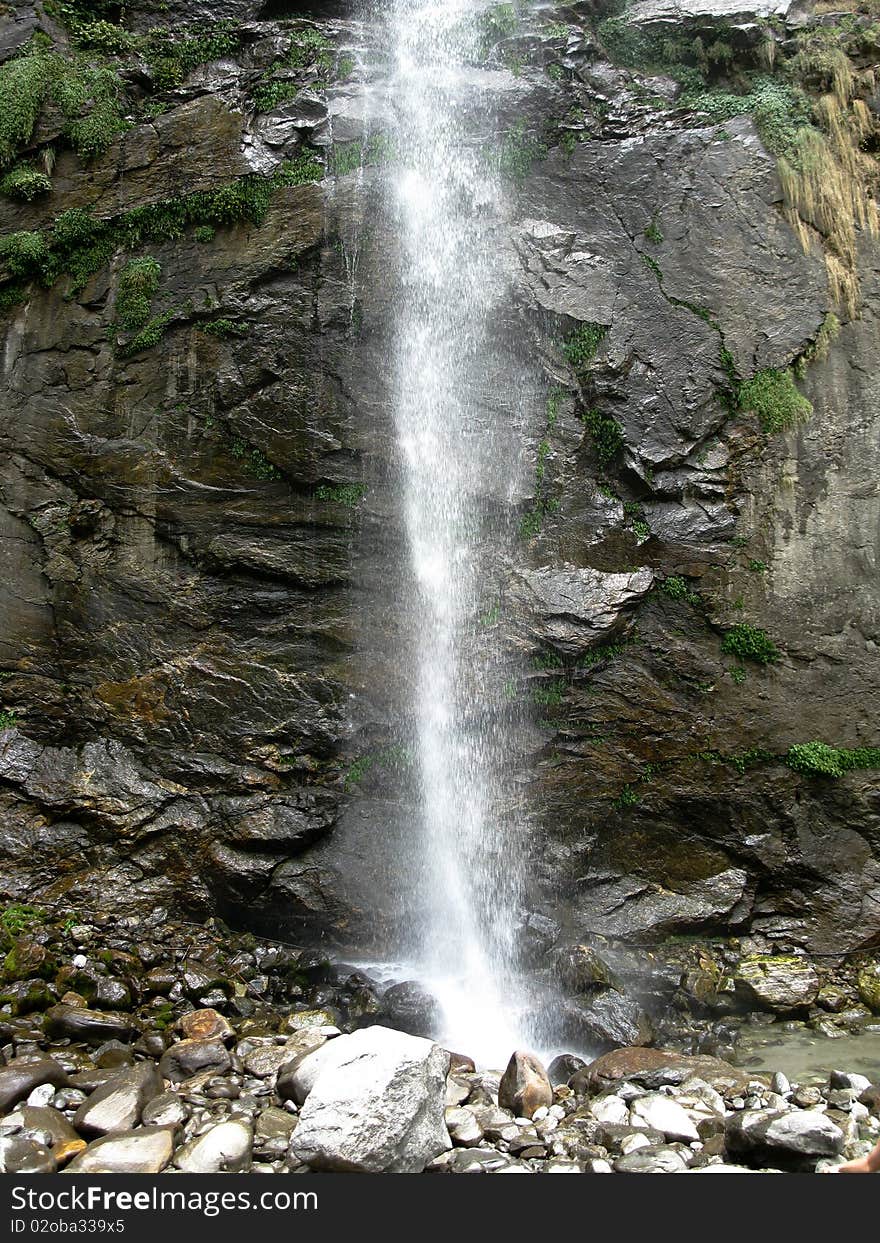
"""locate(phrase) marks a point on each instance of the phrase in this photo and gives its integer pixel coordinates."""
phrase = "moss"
(172, 59)
(347, 494)
(26, 255)
(138, 283)
(148, 336)
(17, 918)
(607, 436)
(580, 346)
(225, 328)
(518, 152)
(818, 349)
(749, 643)
(90, 98)
(394, 758)
(253, 459)
(774, 398)
(677, 589)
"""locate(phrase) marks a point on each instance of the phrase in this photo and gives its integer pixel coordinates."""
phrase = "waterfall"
(456, 466)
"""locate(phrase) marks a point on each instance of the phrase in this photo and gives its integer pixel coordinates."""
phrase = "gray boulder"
(225, 1148)
(799, 1136)
(146, 1150)
(375, 1104)
(118, 1104)
(662, 1113)
(778, 982)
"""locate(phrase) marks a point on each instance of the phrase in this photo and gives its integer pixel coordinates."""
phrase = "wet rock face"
(201, 543)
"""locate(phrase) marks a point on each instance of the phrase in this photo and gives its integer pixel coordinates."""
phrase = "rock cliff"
(202, 687)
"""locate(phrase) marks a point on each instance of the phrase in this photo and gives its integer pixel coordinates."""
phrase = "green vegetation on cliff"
(773, 397)
(89, 97)
(78, 244)
(817, 759)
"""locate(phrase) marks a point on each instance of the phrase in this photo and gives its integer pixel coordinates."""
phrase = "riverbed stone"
(798, 1134)
(19, 1078)
(662, 1113)
(654, 1068)
(118, 1104)
(91, 1026)
(868, 981)
(205, 1024)
(190, 1057)
(524, 1086)
(377, 1106)
(146, 1150)
(224, 1148)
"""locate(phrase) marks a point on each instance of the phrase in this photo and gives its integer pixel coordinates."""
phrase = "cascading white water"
(454, 457)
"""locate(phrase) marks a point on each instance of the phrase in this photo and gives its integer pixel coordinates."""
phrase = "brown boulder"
(524, 1086)
(652, 1068)
(205, 1025)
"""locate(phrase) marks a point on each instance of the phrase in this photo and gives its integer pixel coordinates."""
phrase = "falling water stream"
(449, 205)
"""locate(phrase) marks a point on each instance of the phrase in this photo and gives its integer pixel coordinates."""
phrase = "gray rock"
(377, 1106)
(563, 1067)
(166, 1109)
(662, 1113)
(464, 1129)
(19, 1078)
(146, 1150)
(190, 1057)
(581, 969)
(410, 1008)
(19, 1155)
(779, 982)
(266, 1060)
(92, 1026)
(609, 1020)
(651, 1160)
(798, 1134)
(224, 1148)
(118, 1104)
(297, 1076)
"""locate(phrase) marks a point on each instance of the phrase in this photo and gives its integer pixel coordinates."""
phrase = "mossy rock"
(778, 982)
(27, 959)
(868, 984)
(27, 996)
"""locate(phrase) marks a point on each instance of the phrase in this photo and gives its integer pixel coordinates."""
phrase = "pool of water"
(808, 1057)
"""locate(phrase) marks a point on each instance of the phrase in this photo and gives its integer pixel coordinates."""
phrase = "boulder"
(205, 1024)
(651, 1160)
(410, 1008)
(375, 1104)
(118, 1104)
(146, 1150)
(19, 1078)
(610, 1020)
(798, 1136)
(654, 1068)
(20, 1155)
(580, 969)
(524, 1086)
(868, 984)
(90, 1026)
(779, 982)
(662, 1113)
(225, 1148)
(189, 1057)
(563, 1067)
